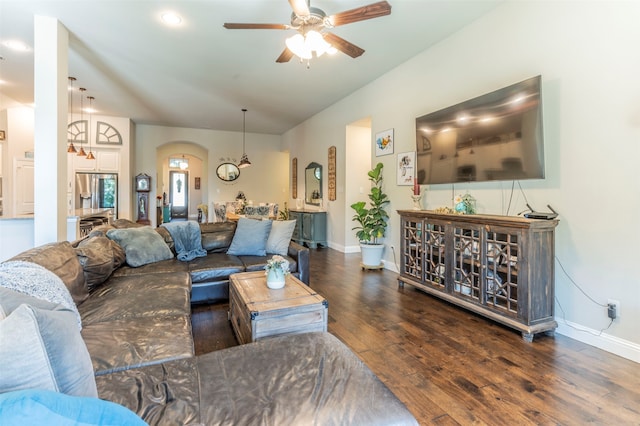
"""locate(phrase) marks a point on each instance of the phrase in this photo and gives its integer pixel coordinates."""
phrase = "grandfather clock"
(143, 186)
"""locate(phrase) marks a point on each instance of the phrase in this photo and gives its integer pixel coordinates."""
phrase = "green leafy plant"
(372, 221)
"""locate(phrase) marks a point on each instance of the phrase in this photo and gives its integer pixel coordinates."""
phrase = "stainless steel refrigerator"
(97, 191)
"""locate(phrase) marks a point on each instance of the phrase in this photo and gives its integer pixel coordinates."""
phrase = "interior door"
(24, 185)
(179, 194)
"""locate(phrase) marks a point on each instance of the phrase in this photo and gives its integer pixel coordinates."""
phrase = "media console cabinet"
(501, 267)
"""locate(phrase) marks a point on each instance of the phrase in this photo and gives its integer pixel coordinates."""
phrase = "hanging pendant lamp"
(90, 155)
(81, 152)
(244, 160)
(71, 148)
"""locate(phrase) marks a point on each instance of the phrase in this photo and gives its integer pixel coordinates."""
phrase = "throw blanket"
(186, 236)
(37, 281)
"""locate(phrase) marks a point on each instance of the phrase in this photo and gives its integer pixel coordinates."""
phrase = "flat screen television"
(496, 136)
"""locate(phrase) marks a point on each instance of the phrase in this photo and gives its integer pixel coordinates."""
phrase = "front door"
(179, 194)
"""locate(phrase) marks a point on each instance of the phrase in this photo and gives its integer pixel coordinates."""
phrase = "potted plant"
(372, 221)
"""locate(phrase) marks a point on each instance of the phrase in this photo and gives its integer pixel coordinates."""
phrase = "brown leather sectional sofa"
(136, 326)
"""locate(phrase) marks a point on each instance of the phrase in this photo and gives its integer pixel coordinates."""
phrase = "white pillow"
(280, 236)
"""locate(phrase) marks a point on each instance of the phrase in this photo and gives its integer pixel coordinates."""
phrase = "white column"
(51, 42)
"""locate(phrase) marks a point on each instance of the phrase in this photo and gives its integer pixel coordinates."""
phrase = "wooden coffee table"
(256, 311)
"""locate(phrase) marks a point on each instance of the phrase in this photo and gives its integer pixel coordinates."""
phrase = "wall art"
(332, 173)
(384, 143)
(406, 167)
(294, 178)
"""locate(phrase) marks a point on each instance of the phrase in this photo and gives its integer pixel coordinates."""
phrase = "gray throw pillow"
(141, 245)
(280, 236)
(46, 352)
(250, 238)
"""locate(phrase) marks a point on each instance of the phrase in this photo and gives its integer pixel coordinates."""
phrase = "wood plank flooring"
(450, 366)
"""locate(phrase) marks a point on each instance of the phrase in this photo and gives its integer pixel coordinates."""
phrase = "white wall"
(591, 100)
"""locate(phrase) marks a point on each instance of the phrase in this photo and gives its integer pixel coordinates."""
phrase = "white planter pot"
(371, 254)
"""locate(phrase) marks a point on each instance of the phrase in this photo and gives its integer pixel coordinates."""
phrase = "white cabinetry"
(106, 161)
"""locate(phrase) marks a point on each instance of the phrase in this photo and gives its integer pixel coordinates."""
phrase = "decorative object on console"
(384, 143)
(332, 173)
(372, 221)
(417, 199)
(465, 204)
(277, 267)
(406, 168)
(244, 160)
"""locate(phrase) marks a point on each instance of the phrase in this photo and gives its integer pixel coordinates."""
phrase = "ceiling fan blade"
(234, 26)
(374, 10)
(343, 45)
(300, 7)
(285, 56)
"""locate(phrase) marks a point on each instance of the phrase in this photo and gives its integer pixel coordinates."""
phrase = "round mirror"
(228, 172)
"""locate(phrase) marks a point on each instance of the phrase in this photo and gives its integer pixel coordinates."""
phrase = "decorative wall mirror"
(228, 172)
(313, 184)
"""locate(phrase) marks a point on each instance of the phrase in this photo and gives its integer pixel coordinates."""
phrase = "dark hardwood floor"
(450, 366)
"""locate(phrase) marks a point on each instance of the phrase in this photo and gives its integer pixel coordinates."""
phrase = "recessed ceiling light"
(171, 18)
(16, 45)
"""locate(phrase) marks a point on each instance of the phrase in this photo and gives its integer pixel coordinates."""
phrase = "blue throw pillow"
(250, 238)
(141, 245)
(38, 407)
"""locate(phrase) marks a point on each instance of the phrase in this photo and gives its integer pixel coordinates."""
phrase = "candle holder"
(416, 202)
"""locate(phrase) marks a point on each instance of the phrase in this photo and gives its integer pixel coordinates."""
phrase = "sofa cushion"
(36, 281)
(96, 257)
(302, 379)
(142, 245)
(217, 237)
(280, 236)
(162, 394)
(128, 297)
(45, 352)
(134, 342)
(161, 267)
(250, 237)
(43, 407)
(60, 258)
(214, 267)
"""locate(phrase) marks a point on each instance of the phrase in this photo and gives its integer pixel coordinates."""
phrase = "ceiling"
(200, 75)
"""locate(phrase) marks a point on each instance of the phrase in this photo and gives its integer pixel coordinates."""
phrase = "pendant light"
(90, 155)
(71, 149)
(81, 152)
(244, 160)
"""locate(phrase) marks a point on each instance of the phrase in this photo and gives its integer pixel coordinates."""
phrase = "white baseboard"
(606, 342)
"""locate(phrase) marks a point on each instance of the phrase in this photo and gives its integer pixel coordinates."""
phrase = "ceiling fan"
(311, 24)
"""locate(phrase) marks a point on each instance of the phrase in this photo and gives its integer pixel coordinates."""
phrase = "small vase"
(275, 278)
(416, 202)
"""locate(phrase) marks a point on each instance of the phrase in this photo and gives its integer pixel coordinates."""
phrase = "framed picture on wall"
(406, 168)
(384, 143)
(197, 183)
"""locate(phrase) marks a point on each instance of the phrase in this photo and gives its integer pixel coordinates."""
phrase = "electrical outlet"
(613, 311)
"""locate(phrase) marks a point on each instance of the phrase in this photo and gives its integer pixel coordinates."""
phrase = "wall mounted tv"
(496, 136)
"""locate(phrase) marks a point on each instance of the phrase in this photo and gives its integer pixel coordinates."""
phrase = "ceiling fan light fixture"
(311, 44)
